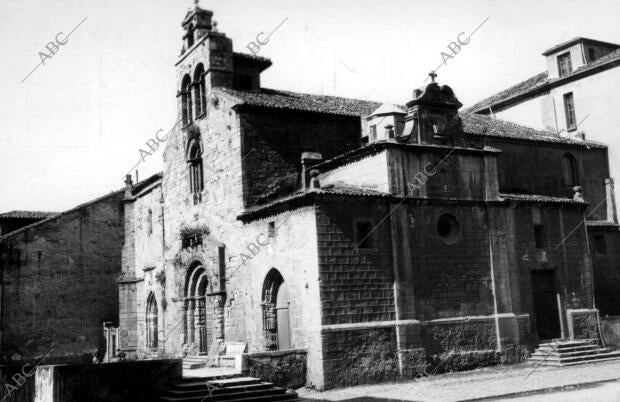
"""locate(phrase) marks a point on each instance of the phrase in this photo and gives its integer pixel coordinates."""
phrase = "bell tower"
(196, 24)
(205, 62)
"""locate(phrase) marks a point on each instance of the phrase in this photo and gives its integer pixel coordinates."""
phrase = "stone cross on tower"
(432, 74)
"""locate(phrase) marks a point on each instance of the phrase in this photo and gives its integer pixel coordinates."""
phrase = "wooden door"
(545, 304)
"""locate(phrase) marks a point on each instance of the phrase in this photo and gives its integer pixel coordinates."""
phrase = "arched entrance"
(275, 305)
(151, 322)
(198, 309)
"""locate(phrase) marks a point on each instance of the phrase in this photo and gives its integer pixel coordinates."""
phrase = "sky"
(73, 128)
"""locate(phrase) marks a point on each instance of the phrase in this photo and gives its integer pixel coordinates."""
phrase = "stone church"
(377, 238)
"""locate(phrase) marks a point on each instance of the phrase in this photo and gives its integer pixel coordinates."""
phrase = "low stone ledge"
(137, 381)
(284, 368)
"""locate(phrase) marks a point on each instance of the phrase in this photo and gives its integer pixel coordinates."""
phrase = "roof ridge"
(504, 95)
(486, 101)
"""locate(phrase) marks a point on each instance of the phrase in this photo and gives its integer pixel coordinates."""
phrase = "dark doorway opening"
(545, 298)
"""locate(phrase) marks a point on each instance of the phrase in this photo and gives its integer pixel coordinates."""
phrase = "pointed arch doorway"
(276, 302)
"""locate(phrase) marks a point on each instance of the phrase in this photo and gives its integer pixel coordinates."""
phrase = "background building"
(58, 283)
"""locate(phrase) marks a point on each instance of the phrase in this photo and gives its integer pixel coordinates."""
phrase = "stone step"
(574, 359)
(229, 382)
(201, 391)
(585, 352)
(194, 362)
(569, 349)
(568, 344)
(212, 378)
(269, 393)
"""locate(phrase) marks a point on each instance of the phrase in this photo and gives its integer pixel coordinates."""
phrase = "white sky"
(73, 129)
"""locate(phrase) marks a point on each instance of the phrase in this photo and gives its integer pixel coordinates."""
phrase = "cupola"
(432, 116)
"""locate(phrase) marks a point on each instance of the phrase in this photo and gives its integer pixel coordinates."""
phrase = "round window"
(448, 228)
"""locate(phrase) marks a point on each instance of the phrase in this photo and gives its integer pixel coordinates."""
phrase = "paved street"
(487, 384)
(607, 392)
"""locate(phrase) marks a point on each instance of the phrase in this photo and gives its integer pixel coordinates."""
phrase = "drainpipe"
(493, 285)
(555, 114)
(163, 262)
(611, 201)
(608, 186)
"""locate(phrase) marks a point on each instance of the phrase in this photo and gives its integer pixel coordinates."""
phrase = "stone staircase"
(195, 362)
(230, 389)
(566, 353)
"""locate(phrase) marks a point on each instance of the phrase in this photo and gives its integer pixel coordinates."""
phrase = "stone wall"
(141, 381)
(610, 331)
(353, 356)
(286, 368)
(278, 140)
(606, 270)
(60, 283)
(540, 171)
(17, 383)
(356, 284)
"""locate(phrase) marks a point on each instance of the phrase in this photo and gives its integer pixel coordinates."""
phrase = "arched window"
(569, 171)
(186, 99)
(200, 97)
(151, 322)
(194, 159)
(149, 222)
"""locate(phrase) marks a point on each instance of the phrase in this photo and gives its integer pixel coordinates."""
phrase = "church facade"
(378, 238)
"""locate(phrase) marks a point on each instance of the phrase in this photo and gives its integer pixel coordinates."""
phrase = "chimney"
(578, 194)
(611, 201)
(128, 187)
(389, 131)
(308, 159)
(314, 181)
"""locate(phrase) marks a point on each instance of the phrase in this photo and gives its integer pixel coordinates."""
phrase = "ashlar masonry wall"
(59, 283)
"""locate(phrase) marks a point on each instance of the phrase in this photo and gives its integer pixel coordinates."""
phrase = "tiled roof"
(542, 82)
(26, 215)
(483, 125)
(521, 88)
(378, 146)
(304, 102)
(602, 224)
(303, 198)
(473, 124)
(251, 57)
(570, 42)
(540, 199)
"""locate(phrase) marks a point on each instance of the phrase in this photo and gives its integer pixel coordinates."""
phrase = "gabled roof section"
(378, 146)
(285, 100)
(541, 199)
(519, 89)
(541, 83)
(26, 215)
(58, 215)
(387, 109)
(483, 125)
(578, 39)
(137, 187)
(473, 124)
(305, 198)
(240, 59)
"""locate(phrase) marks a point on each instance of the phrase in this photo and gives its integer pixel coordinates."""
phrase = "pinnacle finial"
(433, 75)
